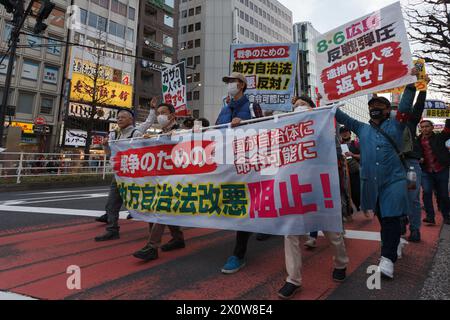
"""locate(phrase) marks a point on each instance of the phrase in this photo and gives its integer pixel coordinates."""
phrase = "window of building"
(190, 44)
(47, 104)
(131, 13)
(170, 3)
(197, 77)
(184, 14)
(198, 43)
(34, 42)
(190, 61)
(30, 70)
(97, 22)
(168, 21)
(191, 12)
(196, 95)
(197, 60)
(167, 41)
(198, 26)
(119, 7)
(183, 29)
(198, 10)
(191, 28)
(130, 34)
(167, 59)
(83, 16)
(7, 32)
(50, 74)
(26, 102)
(101, 3)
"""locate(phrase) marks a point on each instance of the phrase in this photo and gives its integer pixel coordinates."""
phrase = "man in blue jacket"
(236, 110)
(383, 176)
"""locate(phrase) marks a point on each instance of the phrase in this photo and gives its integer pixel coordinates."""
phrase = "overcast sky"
(326, 15)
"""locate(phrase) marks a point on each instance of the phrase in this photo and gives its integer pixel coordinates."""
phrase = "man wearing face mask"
(127, 130)
(167, 120)
(383, 174)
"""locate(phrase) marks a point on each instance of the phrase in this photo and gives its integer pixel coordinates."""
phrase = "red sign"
(40, 121)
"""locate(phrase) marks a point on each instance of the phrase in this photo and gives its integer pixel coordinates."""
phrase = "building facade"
(157, 45)
(102, 56)
(36, 86)
(207, 28)
(304, 34)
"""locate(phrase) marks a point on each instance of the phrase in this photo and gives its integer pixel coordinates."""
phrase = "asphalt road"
(42, 233)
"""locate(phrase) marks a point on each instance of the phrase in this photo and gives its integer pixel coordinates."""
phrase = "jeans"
(113, 207)
(415, 209)
(439, 182)
(156, 231)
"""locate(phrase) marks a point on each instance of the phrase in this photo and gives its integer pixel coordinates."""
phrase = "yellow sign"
(88, 68)
(421, 85)
(26, 127)
(437, 113)
(108, 93)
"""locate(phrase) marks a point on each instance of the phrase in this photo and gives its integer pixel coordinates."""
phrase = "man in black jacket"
(435, 167)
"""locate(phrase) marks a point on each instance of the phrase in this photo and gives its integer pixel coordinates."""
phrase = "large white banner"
(281, 179)
(367, 55)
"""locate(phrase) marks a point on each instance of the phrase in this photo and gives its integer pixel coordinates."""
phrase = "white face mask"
(163, 120)
(233, 89)
(301, 108)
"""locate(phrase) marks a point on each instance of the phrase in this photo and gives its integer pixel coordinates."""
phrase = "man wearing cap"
(239, 107)
(127, 130)
(383, 176)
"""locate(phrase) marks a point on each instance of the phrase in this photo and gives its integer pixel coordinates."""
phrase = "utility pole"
(17, 8)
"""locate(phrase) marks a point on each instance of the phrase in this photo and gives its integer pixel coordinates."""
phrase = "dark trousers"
(439, 182)
(390, 235)
(240, 248)
(355, 185)
(112, 207)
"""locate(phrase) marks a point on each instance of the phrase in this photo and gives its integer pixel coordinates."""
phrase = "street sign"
(40, 121)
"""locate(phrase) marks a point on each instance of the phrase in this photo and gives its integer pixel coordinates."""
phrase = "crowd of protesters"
(375, 160)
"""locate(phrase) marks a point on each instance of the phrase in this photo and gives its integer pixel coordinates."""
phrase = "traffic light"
(46, 8)
(10, 5)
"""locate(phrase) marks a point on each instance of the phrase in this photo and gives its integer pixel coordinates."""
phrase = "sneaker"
(400, 247)
(173, 245)
(108, 236)
(262, 236)
(414, 236)
(103, 218)
(311, 243)
(288, 291)
(429, 221)
(233, 265)
(386, 267)
(129, 216)
(339, 275)
(147, 253)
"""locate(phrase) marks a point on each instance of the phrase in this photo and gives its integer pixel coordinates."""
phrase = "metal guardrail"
(21, 164)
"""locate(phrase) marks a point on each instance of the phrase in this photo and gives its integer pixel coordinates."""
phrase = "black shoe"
(147, 253)
(447, 221)
(262, 236)
(103, 218)
(429, 220)
(288, 291)
(339, 275)
(173, 245)
(108, 236)
(414, 236)
(129, 216)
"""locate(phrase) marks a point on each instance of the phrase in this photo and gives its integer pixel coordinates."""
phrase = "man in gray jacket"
(127, 130)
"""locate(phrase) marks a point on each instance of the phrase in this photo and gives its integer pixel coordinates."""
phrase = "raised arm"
(353, 124)
(148, 122)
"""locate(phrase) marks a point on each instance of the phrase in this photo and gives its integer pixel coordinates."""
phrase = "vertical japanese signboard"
(270, 71)
(174, 87)
(367, 55)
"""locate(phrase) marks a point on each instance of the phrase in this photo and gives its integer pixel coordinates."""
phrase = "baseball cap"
(381, 100)
(234, 76)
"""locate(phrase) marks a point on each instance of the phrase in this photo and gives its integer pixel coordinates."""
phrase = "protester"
(234, 112)
(353, 159)
(167, 120)
(293, 254)
(435, 169)
(127, 130)
(383, 175)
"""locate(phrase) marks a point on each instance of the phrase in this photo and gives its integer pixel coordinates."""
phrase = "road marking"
(59, 211)
(13, 296)
(66, 191)
(53, 199)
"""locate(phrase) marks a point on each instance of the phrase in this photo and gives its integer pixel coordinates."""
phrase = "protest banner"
(174, 87)
(421, 84)
(280, 180)
(436, 109)
(270, 71)
(367, 55)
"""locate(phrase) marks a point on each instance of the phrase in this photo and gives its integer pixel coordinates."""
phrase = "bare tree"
(97, 91)
(429, 25)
